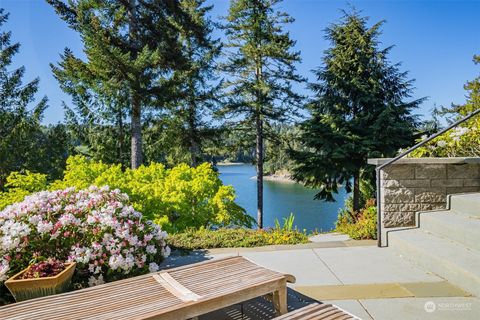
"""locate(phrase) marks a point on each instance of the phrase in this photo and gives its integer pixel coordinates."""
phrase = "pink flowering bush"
(95, 227)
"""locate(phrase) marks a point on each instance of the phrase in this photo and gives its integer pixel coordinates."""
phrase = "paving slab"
(423, 308)
(326, 237)
(355, 291)
(435, 289)
(382, 290)
(358, 265)
(303, 264)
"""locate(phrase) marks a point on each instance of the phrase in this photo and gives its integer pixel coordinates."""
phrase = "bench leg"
(280, 301)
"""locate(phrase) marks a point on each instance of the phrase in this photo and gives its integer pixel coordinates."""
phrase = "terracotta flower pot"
(24, 289)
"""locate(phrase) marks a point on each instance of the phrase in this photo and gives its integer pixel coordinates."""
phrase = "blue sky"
(434, 40)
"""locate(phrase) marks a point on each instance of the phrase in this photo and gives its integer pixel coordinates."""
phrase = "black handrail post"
(379, 205)
(403, 154)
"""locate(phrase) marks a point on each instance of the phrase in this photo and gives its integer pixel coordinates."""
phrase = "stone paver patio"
(369, 282)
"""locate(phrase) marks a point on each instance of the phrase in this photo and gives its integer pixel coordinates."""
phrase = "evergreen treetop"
(361, 109)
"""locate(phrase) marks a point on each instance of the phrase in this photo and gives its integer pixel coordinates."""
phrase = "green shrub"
(233, 238)
(20, 185)
(361, 225)
(176, 199)
(458, 142)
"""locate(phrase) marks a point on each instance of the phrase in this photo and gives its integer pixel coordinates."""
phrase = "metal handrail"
(403, 154)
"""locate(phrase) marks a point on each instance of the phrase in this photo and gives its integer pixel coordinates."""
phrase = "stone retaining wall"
(412, 185)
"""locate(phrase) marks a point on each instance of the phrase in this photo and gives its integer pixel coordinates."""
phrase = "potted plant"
(41, 279)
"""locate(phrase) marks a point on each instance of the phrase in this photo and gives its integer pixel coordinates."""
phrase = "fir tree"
(198, 89)
(20, 127)
(261, 69)
(97, 122)
(360, 110)
(132, 49)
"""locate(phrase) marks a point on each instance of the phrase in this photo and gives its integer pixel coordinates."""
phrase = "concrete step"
(467, 203)
(448, 259)
(452, 225)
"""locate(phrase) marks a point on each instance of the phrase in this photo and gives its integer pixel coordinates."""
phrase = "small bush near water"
(361, 225)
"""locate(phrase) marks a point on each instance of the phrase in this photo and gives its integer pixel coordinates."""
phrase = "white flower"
(98, 270)
(441, 143)
(161, 235)
(133, 240)
(44, 227)
(4, 268)
(115, 261)
(151, 249)
(35, 219)
(458, 132)
(68, 219)
(92, 281)
(9, 243)
(166, 251)
(153, 267)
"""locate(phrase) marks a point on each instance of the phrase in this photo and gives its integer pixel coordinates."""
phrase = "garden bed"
(234, 237)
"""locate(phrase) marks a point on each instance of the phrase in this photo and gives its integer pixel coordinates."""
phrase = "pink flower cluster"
(96, 228)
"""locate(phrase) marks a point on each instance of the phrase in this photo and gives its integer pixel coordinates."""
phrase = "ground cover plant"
(192, 239)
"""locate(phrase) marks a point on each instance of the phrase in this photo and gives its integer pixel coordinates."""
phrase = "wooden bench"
(179, 293)
(316, 311)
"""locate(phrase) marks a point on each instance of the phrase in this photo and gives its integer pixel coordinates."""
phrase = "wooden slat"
(316, 311)
(175, 287)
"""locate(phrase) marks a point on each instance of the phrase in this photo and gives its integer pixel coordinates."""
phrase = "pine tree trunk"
(356, 192)
(136, 108)
(137, 156)
(259, 122)
(259, 160)
(194, 149)
(120, 136)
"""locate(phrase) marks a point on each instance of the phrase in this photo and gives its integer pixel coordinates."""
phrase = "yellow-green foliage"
(191, 239)
(365, 224)
(175, 198)
(19, 185)
(459, 142)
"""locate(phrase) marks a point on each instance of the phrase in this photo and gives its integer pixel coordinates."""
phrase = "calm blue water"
(280, 199)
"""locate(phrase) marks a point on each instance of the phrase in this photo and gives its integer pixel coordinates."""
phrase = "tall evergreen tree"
(261, 69)
(19, 120)
(97, 122)
(360, 110)
(131, 46)
(198, 89)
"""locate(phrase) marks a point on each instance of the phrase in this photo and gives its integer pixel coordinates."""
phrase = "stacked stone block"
(412, 185)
